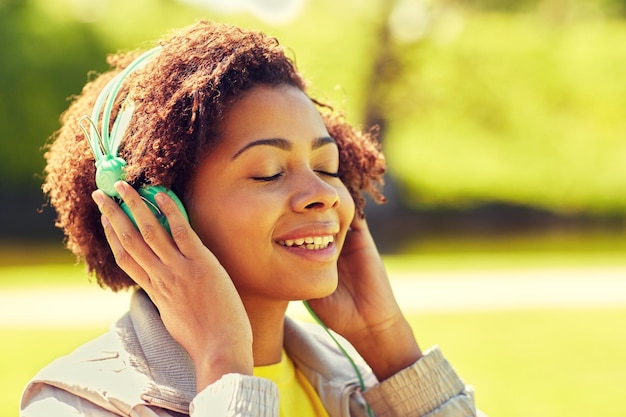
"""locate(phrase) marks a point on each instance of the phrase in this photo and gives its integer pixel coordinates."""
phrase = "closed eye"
(268, 179)
(280, 174)
(329, 174)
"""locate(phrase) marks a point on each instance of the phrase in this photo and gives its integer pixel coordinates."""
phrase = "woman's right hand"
(196, 298)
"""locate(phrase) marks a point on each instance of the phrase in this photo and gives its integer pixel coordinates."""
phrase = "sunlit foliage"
(483, 101)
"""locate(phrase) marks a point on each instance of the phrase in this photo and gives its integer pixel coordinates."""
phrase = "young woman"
(271, 182)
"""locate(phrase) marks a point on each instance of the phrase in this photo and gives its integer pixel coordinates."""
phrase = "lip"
(322, 231)
(325, 255)
(310, 230)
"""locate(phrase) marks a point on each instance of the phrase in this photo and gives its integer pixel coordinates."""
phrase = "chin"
(319, 289)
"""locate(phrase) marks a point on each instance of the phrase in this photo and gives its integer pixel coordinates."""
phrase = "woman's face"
(267, 200)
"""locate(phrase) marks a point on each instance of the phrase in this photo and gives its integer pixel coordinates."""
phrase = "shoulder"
(91, 372)
(103, 354)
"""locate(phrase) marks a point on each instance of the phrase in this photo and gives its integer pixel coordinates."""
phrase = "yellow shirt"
(297, 396)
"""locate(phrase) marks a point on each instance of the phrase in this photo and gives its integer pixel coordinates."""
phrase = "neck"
(267, 319)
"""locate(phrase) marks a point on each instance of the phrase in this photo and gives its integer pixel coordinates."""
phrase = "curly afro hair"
(180, 97)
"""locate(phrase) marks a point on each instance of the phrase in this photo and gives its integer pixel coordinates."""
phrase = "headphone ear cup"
(109, 170)
(148, 195)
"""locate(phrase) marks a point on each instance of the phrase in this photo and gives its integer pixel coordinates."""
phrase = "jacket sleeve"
(428, 388)
(46, 400)
(232, 395)
(237, 395)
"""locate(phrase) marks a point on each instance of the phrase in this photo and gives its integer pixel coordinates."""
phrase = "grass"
(540, 363)
(42, 275)
(544, 363)
(27, 264)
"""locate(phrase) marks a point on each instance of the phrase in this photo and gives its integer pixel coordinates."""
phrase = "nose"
(313, 192)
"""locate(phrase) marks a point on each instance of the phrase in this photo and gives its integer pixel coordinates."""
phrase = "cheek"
(238, 237)
(216, 224)
(229, 225)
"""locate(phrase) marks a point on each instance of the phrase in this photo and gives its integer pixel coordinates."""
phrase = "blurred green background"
(504, 127)
(496, 116)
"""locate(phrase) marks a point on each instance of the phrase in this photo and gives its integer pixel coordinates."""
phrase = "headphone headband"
(104, 144)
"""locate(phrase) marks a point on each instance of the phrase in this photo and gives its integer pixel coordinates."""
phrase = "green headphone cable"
(342, 349)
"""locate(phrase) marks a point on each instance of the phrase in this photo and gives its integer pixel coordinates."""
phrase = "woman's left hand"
(364, 310)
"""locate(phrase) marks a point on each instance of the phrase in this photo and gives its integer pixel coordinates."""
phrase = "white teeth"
(309, 242)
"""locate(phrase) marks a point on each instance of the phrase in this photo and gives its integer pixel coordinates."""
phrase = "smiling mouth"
(309, 243)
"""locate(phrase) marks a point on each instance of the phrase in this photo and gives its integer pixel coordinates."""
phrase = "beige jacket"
(137, 369)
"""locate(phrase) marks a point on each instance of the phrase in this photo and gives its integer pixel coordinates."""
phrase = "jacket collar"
(172, 378)
(326, 368)
(138, 362)
(173, 373)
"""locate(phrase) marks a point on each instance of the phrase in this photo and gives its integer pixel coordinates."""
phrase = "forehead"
(272, 112)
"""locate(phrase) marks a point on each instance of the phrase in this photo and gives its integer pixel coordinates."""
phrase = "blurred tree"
(607, 7)
(538, 124)
(479, 101)
(47, 50)
(43, 63)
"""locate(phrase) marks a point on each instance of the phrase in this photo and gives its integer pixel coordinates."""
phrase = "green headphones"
(105, 144)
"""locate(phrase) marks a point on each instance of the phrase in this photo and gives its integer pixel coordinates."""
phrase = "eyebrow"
(284, 144)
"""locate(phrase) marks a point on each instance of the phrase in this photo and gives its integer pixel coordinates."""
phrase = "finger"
(184, 236)
(154, 236)
(358, 223)
(122, 257)
(128, 236)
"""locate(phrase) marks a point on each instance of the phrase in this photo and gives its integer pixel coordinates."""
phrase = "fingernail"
(98, 198)
(120, 187)
(105, 221)
(161, 198)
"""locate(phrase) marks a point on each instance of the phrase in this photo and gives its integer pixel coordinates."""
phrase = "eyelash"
(330, 174)
(280, 174)
(268, 179)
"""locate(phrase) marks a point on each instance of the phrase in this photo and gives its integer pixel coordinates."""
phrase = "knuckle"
(127, 240)
(122, 258)
(162, 285)
(108, 210)
(166, 206)
(109, 233)
(179, 233)
(132, 203)
(149, 233)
